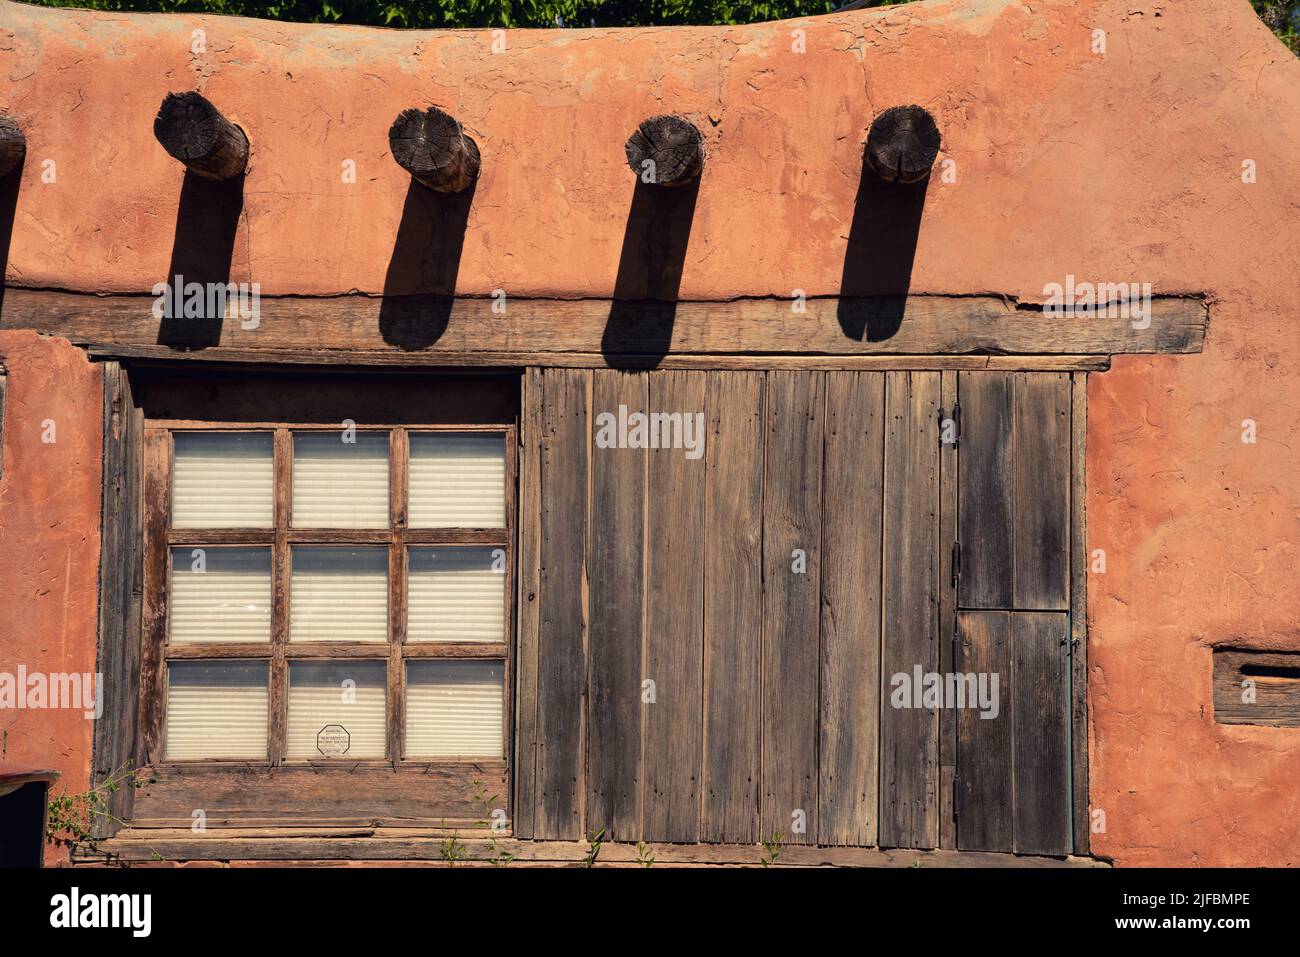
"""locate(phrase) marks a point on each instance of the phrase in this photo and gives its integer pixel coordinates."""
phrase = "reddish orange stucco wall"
(1122, 166)
(49, 544)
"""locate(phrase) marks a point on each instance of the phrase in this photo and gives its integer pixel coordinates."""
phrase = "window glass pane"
(454, 709)
(222, 480)
(216, 709)
(220, 594)
(336, 709)
(339, 484)
(338, 594)
(457, 480)
(456, 594)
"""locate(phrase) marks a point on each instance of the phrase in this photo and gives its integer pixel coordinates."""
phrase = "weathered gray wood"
(665, 151)
(13, 145)
(617, 573)
(985, 746)
(531, 438)
(1275, 678)
(117, 655)
(675, 488)
(733, 606)
(931, 325)
(852, 511)
(909, 759)
(434, 148)
(948, 563)
(562, 674)
(1041, 735)
(193, 131)
(792, 519)
(903, 144)
(1014, 487)
(1079, 614)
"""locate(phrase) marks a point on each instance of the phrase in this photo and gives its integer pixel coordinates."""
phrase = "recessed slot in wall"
(1257, 687)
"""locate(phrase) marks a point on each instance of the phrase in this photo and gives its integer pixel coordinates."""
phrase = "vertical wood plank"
(850, 608)
(675, 615)
(909, 772)
(1041, 482)
(562, 680)
(281, 575)
(791, 653)
(398, 456)
(617, 606)
(985, 490)
(1079, 613)
(733, 597)
(1041, 733)
(948, 453)
(118, 652)
(156, 507)
(986, 777)
(529, 621)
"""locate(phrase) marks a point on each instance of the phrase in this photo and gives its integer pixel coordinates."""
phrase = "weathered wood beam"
(666, 151)
(902, 144)
(928, 326)
(13, 145)
(435, 149)
(193, 131)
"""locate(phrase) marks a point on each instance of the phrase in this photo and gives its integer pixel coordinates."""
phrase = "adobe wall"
(1125, 166)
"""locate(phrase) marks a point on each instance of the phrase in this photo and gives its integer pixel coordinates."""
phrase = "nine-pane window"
(335, 595)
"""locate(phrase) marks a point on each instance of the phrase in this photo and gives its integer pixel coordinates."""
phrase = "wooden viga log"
(13, 145)
(435, 149)
(666, 151)
(903, 144)
(193, 131)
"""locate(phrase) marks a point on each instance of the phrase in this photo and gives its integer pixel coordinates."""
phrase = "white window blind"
(216, 710)
(454, 709)
(338, 594)
(220, 594)
(457, 480)
(339, 484)
(222, 480)
(339, 694)
(455, 594)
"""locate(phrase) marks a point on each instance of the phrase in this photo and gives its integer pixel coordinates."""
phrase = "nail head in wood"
(434, 148)
(666, 151)
(903, 144)
(193, 131)
(13, 145)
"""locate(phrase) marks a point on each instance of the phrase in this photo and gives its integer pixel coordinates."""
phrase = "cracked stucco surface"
(1122, 167)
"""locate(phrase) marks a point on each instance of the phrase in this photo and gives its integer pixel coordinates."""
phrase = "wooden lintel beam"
(193, 131)
(392, 331)
(435, 149)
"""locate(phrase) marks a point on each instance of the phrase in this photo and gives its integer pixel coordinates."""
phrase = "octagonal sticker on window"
(333, 740)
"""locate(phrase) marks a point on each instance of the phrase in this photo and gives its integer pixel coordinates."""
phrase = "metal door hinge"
(956, 563)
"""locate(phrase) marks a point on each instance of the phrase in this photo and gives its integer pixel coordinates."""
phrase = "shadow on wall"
(420, 286)
(878, 261)
(9, 185)
(639, 331)
(202, 251)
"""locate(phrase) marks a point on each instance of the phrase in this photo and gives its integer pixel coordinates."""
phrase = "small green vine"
(772, 848)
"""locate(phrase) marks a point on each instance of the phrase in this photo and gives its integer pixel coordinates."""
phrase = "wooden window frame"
(430, 789)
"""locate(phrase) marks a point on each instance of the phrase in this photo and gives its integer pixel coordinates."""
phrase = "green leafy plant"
(772, 848)
(498, 856)
(594, 841)
(72, 817)
(643, 855)
(453, 851)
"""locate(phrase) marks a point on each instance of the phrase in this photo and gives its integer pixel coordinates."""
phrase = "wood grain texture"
(985, 746)
(929, 325)
(1275, 685)
(674, 619)
(852, 512)
(986, 493)
(156, 505)
(193, 131)
(561, 672)
(949, 565)
(909, 760)
(733, 606)
(617, 544)
(792, 519)
(1079, 614)
(1041, 734)
(531, 438)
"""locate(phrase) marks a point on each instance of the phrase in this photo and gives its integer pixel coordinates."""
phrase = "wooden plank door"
(1013, 773)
